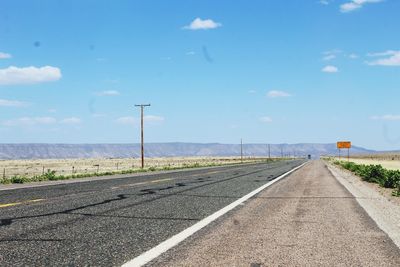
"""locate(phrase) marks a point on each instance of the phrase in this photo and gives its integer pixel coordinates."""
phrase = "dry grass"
(388, 161)
(29, 168)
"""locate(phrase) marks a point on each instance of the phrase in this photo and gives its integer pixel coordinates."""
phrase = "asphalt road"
(108, 222)
(306, 219)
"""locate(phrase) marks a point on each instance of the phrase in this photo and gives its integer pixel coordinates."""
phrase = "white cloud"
(32, 121)
(45, 120)
(388, 117)
(329, 57)
(199, 24)
(129, 120)
(353, 56)
(12, 103)
(274, 93)
(324, 2)
(356, 4)
(331, 54)
(29, 121)
(388, 58)
(71, 120)
(266, 119)
(330, 69)
(190, 53)
(153, 118)
(4, 55)
(29, 75)
(108, 93)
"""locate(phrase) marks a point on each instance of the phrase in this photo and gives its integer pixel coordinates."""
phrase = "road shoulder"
(379, 207)
(307, 219)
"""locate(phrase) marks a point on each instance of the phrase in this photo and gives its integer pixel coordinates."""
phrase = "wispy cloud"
(29, 75)
(129, 120)
(71, 120)
(356, 4)
(388, 117)
(387, 58)
(166, 58)
(29, 121)
(199, 24)
(266, 119)
(275, 93)
(190, 53)
(252, 91)
(329, 57)
(325, 2)
(331, 54)
(330, 69)
(35, 121)
(12, 103)
(108, 93)
(153, 118)
(4, 55)
(353, 56)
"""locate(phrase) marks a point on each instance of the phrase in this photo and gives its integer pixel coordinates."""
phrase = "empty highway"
(109, 222)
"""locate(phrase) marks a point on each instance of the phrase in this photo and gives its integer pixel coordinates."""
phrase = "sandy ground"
(30, 168)
(388, 164)
(307, 219)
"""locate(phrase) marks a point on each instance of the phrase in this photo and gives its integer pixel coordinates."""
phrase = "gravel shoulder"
(306, 219)
(383, 208)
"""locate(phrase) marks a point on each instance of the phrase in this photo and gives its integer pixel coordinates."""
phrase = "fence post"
(73, 170)
(43, 171)
(4, 173)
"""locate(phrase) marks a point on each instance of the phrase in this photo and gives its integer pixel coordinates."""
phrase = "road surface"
(109, 222)
(306, 219)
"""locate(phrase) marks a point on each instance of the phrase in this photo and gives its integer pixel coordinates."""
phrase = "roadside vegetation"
(51, 175)
(374, 174)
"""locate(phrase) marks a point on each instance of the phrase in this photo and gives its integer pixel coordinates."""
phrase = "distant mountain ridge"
(58, 151)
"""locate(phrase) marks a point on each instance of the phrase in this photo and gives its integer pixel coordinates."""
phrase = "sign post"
(345, 145)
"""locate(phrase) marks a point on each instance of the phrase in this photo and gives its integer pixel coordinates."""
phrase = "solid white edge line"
(176, 239)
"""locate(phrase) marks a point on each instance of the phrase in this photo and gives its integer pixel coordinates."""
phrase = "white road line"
(176, 239)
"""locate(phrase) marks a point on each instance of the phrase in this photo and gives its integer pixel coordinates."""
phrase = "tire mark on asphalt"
(120, 197)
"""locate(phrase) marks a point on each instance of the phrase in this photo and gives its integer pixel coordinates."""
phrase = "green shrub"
(351, 166)
(392, 179)
(49, 175)
(19, 179)
(373, 173)
(396, 191)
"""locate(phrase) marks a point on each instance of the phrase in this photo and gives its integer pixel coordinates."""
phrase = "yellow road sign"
(344, 144)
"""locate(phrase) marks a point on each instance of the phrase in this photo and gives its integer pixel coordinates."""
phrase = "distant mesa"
(59, 151)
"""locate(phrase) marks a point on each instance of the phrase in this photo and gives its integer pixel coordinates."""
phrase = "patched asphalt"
(109, 222)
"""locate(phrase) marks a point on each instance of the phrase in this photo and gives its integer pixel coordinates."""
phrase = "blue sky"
(213, 71)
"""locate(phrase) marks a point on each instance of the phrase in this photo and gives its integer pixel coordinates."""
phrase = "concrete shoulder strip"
(176, 239)
(385, 214)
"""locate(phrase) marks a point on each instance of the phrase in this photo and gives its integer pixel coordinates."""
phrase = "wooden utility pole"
(141, 130)
(241, 150)
(269, 151)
